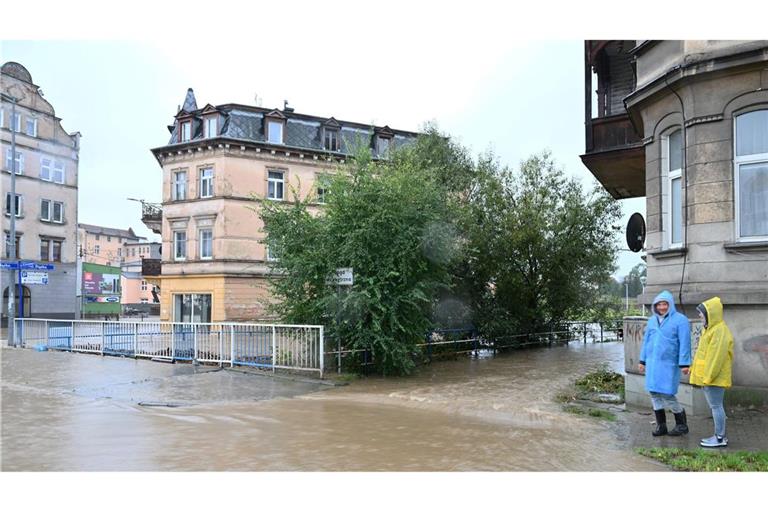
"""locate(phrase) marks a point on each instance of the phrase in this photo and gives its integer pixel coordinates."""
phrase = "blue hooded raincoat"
(666, 347)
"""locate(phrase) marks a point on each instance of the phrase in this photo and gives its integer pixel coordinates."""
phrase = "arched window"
(751, 175)
(27, 301)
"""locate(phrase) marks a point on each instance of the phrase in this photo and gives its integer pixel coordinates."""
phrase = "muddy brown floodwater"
(73, 412)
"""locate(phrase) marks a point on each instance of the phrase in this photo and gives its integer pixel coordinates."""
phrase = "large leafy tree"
(540, 246)
(391, 222)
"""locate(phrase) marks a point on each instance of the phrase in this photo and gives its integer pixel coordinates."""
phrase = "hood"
(665, 296)
(714, 311)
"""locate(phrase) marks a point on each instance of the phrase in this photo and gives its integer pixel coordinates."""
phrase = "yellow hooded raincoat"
(714, 355)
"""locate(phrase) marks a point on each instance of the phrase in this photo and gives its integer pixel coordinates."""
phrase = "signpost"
(28, 274)
(33, 277)
(343, 276)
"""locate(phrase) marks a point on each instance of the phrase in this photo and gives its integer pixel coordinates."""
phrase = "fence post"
(339, 344)
(601, 332)
(135, 339)
(173, 341)
(47, 334)
(322, 352)
(194, 344)
(429, 347)
(221, 348)
(274, 347)
(231, 346)
(103, 337)
(72, 337)
(585, 331)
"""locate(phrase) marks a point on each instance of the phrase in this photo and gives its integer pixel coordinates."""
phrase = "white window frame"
(11, 205)
(270, 124)
(738, 161)
(34, 126)
(19, 161)
(380, 139)
(333, 134)
(58, 172)
(96, 249)
(16, 121)
(47, 203)
(275, 181)
(205, 183)
(46, 169)
(211, 127)
(2, 117)
(60, 220)
(669, 176)
(202, 243)
(186, 131)
(143, 285)
(177, 244)
(175, 186)
(268, 253)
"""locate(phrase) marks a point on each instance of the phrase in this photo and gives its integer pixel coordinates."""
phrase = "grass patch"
(589, 411)
(708, 460)
(602, 380)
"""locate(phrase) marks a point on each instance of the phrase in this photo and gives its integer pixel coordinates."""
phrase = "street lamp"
(12, 235)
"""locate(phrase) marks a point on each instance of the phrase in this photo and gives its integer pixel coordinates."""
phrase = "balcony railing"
(152, 216)
(613, 132)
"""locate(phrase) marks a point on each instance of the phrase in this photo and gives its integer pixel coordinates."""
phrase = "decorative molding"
(647, 140)
(704, 119)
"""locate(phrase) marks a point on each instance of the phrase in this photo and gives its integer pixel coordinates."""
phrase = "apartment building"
(685, 125)
(219, 165)
(106, 246)
(45, 201)
(138, 293)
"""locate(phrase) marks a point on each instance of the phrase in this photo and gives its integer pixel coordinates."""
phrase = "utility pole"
(12, 235)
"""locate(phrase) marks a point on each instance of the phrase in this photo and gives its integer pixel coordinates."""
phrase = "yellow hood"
(714, 311)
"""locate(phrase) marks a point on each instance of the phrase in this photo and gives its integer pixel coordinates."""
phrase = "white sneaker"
(714, 442)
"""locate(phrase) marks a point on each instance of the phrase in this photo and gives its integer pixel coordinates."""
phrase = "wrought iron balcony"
(152, 216)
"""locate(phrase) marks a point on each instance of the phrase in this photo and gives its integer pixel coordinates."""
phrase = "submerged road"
(74, 412)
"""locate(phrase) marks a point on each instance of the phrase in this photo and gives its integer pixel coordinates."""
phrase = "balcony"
(616, 156)
(152, 216)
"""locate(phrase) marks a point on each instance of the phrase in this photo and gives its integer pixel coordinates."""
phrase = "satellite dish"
(636, 232)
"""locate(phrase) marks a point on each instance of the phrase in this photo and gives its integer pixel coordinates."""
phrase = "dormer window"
(186, 131)
(211, 127)
(275, 131)
(382, 145)
(331, 139)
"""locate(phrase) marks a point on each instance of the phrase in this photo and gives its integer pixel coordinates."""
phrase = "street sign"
(25, 265)
(32, 277)
(342, 277)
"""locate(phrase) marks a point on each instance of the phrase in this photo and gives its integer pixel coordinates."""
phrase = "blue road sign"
(9, 265)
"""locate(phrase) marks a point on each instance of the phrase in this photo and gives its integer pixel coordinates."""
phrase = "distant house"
(220, 163)
(685, 125)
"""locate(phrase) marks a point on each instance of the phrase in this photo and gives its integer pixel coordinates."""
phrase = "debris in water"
(161, 404)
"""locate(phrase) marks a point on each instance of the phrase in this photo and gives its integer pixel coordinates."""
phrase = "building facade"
(139, 294)
(685, 124)
(45, 204)
(106, 246)
(220, 164)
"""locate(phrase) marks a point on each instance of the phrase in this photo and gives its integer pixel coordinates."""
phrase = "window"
(58, 212)
(186, 131)
(96, 249)
(120, 251)
(32, 127)
(46, 169)
(382, 146)
(206, 244)
(45, 209)
(331, 140)
(18, 203)
(45, 248)
(16, 126)
(56, 248)
(192, 307)
(2, 118)
(272, 253)
(19, 161)
(145, 301)
(275, 132)
(109, 239)
(211, 129)
(179, 245)
(206, 182)
(179, 190)
(51, 211)
(143, 286)
(58, 172)
(97, 237)
(322, 189)
(17, 250)
(275, 184)
(674, 186)
(751, 175)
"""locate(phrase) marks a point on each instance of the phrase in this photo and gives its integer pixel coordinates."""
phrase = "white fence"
(270, 346)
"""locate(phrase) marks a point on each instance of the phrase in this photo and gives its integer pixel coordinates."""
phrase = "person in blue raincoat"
(666, 352)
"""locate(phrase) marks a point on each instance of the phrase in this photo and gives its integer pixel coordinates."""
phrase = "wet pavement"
(72, 412)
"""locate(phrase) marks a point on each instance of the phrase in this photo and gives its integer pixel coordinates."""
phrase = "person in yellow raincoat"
(712, 365)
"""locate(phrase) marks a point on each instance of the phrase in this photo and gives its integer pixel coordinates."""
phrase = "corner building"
(219, 166)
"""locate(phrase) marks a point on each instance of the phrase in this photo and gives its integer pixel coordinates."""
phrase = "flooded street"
(72, 412)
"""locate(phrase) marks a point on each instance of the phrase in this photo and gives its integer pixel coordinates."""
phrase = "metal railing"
(267, 346)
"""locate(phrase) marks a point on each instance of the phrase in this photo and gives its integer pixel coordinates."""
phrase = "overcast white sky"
(469, 69)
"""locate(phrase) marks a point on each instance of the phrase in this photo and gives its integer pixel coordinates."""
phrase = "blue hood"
(664, 296)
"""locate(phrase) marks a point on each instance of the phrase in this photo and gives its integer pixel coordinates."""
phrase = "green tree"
(540, 246)
(391, 222)
(635, 280)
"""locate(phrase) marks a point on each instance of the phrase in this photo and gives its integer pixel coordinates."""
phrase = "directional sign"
(9, 265)
(32, 277)
(342, 277)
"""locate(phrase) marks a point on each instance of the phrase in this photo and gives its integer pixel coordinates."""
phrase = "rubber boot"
(661, 423)
(681, 424)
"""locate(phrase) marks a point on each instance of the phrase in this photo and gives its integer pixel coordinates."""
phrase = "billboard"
(101, 289)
